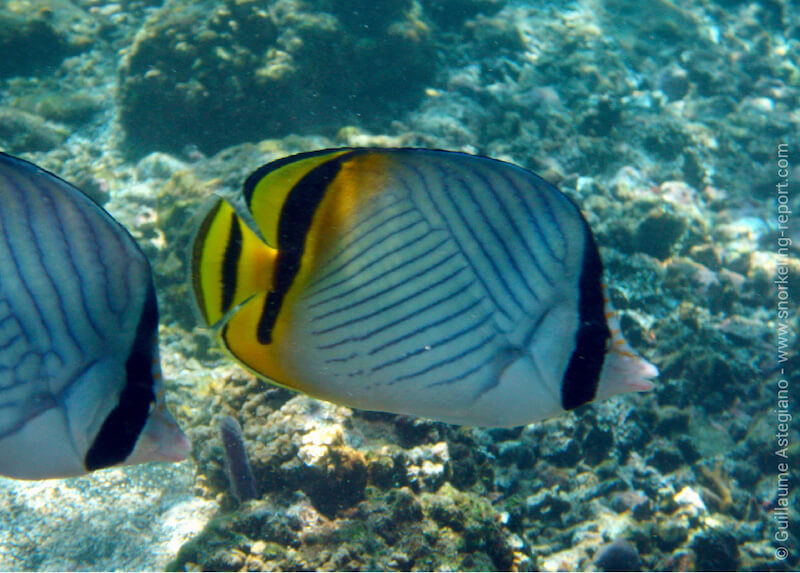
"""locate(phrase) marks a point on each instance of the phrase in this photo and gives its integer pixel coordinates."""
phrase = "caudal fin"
(623, 369)
(161, 440)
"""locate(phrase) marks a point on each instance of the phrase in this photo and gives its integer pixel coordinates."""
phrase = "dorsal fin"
(266, 190)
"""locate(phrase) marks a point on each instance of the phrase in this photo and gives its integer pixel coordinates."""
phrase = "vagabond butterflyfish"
(80, 375)
(414, 281)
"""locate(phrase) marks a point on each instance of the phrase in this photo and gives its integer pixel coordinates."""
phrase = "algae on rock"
(216, 74)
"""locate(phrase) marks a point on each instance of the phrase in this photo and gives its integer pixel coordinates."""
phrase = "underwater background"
(673, 125)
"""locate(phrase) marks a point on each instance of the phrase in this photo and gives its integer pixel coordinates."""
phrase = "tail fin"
(623, 369)
(161, 440)
(230, 263)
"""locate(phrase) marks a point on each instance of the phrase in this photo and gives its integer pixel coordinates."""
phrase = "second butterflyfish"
(80, 376)
(413, 281)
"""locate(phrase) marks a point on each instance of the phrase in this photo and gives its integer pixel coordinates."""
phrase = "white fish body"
(80, 385)
(413, 281)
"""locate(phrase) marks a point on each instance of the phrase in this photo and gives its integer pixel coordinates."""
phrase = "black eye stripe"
(233, 252)
(297, 214)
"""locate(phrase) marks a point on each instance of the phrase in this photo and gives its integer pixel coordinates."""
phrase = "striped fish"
(80, 379)
(414, 281)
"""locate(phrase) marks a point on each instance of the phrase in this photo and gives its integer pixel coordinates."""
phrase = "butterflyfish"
(80, 378)
(414, 281)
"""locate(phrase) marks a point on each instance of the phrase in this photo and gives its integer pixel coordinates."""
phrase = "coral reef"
(23, 130)
(216, 74)
(36, 35)
(663, 129)
(331, 506)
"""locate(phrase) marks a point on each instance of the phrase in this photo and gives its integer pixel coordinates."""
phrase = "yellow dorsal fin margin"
(265, 191)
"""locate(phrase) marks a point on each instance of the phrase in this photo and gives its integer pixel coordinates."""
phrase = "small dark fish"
(243, 485)
(618, 556)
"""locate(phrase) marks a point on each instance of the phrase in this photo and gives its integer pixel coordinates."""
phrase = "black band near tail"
(120, 431)
(293, 227)
(591, 341)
